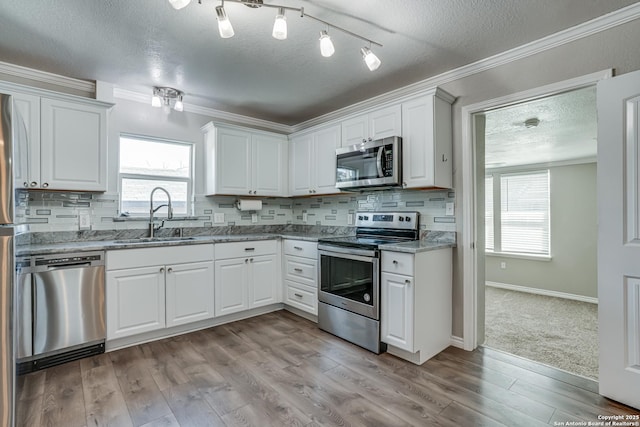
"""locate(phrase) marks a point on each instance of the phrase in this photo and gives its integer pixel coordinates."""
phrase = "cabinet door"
(26, 150)
(189, 292)
(300, 151)
(355, 130)
(135, 301)
(269, 165)
(324, 161)
(263, 288)
(396, 310)
(385, 122)
(417, 143)
(73, 146)
(233, 162)
(231, 279)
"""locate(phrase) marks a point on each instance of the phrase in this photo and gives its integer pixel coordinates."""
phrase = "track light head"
(326, 45)
(370, 59)
(280, 26)
(224, 25)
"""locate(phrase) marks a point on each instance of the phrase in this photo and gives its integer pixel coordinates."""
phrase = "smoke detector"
(531, 123)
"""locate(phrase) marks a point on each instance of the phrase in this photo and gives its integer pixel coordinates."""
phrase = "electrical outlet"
(254, 218)
(218, 218)
(449, 209)
(84, 220)
(503, 265)
(305, 217)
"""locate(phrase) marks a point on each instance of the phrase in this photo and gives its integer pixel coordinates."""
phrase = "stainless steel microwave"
(370, 164)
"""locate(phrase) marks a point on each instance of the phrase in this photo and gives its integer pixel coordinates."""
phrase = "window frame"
(496, 176)
(189, 180)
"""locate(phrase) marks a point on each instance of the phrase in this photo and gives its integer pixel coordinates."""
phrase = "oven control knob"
(400, 218)
(407, 218)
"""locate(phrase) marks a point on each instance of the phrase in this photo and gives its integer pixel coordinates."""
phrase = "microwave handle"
(379, 162)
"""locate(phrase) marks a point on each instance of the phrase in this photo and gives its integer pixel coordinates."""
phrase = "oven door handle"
(352, 254)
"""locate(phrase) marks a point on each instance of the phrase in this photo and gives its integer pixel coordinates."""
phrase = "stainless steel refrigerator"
(7, 265)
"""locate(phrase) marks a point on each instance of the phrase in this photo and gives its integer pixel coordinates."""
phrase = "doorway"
(474, 177)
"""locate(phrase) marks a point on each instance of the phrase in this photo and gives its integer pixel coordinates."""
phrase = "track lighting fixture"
(370, 58)
(168, 97)
(326, 45)
(224, 25)
(280, 27)
(179, 4)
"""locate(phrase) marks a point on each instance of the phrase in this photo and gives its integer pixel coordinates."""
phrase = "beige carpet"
(555, 331)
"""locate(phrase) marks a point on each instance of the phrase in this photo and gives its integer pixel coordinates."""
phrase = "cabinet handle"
(249, 249)
(395, 262)
(249, 191)
(370, 139)
(25, 184)
(169, 270)
(364, 140)
(310, 191)
(407, 281)
(45, 184)
(250, 259)
(298, 295)
(299, 270)
(404, 184)
(246, 260)
(161, 269)
(34, 184)
(297, 247)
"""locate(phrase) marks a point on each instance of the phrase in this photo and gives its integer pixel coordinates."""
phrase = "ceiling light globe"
(156, 101)
(370, 59)
(326, 45)
(224, 25)
(280, 26)
(179, 4)
(179, 106)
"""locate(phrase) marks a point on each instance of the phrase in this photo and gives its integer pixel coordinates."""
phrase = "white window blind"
(522, 211)
(488, 217)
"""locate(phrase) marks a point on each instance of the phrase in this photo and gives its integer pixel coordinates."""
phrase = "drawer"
(245, 248)
(301, 248)
(145, 257)
(300, 269)
(397, 262)
(301, 297)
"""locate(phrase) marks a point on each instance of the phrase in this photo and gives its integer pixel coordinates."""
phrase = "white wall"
(572, 268)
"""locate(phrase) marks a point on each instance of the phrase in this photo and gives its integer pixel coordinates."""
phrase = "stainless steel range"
(349, 276)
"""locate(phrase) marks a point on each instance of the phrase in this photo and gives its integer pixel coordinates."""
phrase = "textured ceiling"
(137, 44)
(567, 130)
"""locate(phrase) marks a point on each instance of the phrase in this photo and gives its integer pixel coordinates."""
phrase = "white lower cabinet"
(301, 273)
(154, 288)
(415, 310)
(246, 276)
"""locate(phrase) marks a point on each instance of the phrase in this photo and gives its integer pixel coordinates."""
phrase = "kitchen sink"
(154, 239)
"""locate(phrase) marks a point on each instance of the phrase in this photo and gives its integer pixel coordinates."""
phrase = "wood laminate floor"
(279, 369)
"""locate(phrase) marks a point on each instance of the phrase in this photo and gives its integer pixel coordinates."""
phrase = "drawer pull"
(299, 270)
(407, 281)
(297, 247)
(298, 295)
(395, 262)
(249, 249)
(169, 270)
(161, 269)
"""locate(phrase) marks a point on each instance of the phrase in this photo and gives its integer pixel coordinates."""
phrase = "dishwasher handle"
(68, 266)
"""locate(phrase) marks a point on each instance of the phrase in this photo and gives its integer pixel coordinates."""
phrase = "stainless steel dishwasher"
(66, 296)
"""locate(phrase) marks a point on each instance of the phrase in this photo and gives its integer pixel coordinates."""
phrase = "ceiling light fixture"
(326, 45)
(280, 27)
(179, 4)
(168, 97)
(224, 25)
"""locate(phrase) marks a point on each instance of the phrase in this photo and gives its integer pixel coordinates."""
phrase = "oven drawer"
(301, 269)
(397, 262)
(248, 248)
(301, 248)
(302, 297)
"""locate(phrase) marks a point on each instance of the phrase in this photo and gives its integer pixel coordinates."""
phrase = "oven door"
(350, 279)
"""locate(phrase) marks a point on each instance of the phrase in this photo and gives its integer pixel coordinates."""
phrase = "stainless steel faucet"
(152, 226)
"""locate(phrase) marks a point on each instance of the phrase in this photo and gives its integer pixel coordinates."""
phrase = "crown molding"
(45, 77)
(218, 115)
(586, 29)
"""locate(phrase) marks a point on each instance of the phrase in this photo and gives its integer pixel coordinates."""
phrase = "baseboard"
(457, 342)
(544, 292)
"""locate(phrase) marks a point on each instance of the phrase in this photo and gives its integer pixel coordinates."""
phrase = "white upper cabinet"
(240, 161)
(426, 141)
(73, 146)
(60, 140)
(377, 124)
(313, 162)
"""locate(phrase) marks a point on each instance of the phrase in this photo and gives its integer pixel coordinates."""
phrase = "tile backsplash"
(60, 211)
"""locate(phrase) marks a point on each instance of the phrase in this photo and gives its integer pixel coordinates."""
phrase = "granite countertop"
(417, 246)
(101, 245)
